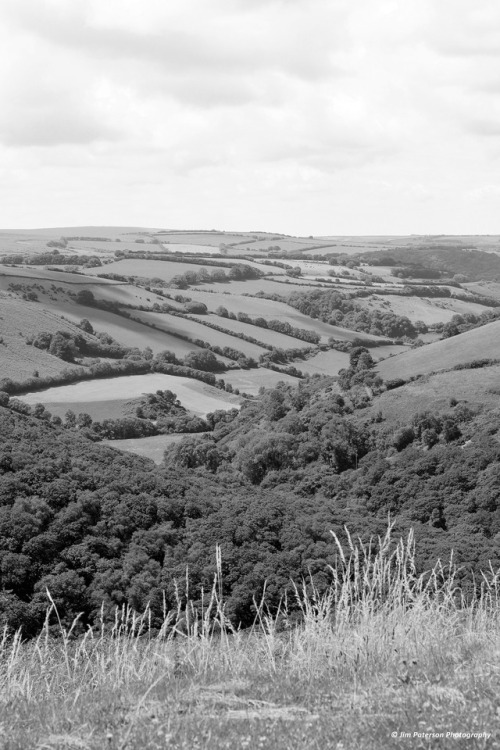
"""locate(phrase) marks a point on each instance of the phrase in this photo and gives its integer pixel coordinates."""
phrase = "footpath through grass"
(382, 655)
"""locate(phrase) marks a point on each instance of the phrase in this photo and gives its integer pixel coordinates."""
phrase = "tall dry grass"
(383, 650)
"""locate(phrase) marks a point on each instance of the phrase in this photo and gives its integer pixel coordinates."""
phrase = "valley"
(215, 445)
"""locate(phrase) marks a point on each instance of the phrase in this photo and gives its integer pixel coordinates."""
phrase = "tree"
(203, 360)
(196, 308)
(86, 326)
(85, 297)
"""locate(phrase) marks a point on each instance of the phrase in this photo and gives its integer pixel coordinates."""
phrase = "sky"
(307, 117)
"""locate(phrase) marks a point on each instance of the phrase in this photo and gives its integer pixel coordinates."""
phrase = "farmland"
(325, 363)
(479, 389)
(110, 395)
(179, 247)
(429, 311)
(265, 335)
(243, 494)
(193, 329)
(479, 343)
(165, 270)
(131, 313)
(150, 447)
(251, 381)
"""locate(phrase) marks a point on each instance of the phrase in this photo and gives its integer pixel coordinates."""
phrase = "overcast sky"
(296, 116)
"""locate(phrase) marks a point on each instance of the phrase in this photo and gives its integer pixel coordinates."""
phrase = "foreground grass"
(384, 652)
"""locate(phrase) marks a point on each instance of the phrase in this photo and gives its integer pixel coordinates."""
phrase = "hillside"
(267, 483)
(479, 343)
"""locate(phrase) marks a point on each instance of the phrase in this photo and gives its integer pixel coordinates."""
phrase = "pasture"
(150, 269)
(285, 244)
(324, 363)
(250, 286)
(429, 311)
(126, 331)
(484, 288)
(190, 327)
(150, 447)
(479, 343)
(272, 310)
(180, 247)
(197, 397)
(267, 336)
(478, 389)
(210, 238)
(251, 381)
(20, 319)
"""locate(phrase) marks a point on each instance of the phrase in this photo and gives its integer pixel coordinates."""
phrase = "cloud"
(220, 42)
(209, 105)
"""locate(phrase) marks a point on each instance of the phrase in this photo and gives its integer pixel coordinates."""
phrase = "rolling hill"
(479, 343)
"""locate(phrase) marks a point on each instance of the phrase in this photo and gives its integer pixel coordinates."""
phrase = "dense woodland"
(98, 527)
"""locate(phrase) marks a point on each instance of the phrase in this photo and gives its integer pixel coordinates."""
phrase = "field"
(265, 335)
(179, 247)
(251, 286)
(429, 311)
(324, 363)
(251, 381)
(20, 319)
(150, 447)
(195, 330)
(150, 269)
(286, 244)
(479, 343)
(271, 310)
(484, 288)
(95, 396)
(361, 669)
(479, 389)
(213, 239)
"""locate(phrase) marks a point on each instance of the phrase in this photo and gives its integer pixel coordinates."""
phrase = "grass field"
(252, 287)
(29, 274)
(195, 330)
(279, 340)
(149, 269)
(150, 447)
(430, 311)
(390, 350)
(286, 244)
(180, 247)
(201, 238)
(484, 288)
(361, 669)
(251, 381)
(479, 343)
(126, 331)
(478, 388)
(324, 363)
(20, 319)
(199, 398)
(271, 310)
